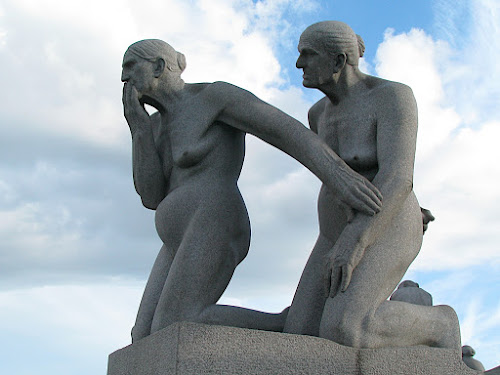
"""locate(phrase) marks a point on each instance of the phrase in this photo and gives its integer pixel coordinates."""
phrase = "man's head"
(325, 47)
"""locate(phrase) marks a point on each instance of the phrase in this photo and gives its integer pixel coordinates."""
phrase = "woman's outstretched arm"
(243, 110)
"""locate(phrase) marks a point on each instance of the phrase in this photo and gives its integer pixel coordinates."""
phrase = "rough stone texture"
(493, 371)
(467, 353)
(198, 349)
(187, 158)
(409, 291)
(372, 124)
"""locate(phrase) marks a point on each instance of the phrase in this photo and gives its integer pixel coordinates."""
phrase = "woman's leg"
(308, 303)
(152, 292)
(202, 267)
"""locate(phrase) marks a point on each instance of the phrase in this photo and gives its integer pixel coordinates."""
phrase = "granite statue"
(371, 124)
(186, 162)
(410, 292)
(427, 217)
(467, 356)
(187, 158)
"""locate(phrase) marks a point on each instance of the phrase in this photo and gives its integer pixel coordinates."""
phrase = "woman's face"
(317, 65)
(138, 72)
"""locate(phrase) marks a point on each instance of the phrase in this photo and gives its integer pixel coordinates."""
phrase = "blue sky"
(76, 246)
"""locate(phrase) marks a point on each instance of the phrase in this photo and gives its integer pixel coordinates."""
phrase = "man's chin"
(308, 84)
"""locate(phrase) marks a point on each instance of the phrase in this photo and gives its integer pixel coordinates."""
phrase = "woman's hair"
(152, 49)
(335, 37)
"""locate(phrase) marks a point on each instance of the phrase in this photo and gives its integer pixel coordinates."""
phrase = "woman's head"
(154, 68)
(333, 37)
(153, 49)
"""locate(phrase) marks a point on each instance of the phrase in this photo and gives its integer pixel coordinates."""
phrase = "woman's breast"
(213, 156)
(187, 154)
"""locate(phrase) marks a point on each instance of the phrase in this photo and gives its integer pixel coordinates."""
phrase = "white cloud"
(69, 79)
(67, 205)
(64, 106)
(3, 38)
(412, 59)
(479, 311)
(63, 321)
(471, 74)
(456, 167)
(68, 212)
(456, 173)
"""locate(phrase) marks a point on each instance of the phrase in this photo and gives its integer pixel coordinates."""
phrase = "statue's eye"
(128, 65)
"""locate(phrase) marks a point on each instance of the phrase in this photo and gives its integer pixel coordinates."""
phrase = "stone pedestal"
(198, 349)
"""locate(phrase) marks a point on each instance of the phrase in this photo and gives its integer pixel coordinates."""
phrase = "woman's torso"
(202, 160)
(196, 148)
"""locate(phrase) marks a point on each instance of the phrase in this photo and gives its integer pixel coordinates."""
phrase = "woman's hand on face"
(135, 113)
(357, 193)
(341, 262)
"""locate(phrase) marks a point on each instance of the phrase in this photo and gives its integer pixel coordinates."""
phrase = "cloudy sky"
(76, 245)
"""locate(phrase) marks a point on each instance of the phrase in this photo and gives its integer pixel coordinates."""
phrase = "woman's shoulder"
(198, 88)
(222, 87)
(221, 92)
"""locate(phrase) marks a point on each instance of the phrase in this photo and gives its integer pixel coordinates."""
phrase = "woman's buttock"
(194, 210)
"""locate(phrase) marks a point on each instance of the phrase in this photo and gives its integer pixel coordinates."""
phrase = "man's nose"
(300, 63)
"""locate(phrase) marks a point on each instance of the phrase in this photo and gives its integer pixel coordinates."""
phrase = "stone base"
(199, 349)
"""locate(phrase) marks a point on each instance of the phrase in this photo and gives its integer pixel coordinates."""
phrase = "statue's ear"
(339, 61)
(159, 67)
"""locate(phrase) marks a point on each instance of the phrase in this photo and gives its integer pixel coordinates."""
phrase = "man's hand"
(342, 260)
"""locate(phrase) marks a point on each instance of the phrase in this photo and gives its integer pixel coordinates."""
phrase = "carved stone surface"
(187, 158)
(198, 349)
(409, 291)
(371, 123)
(467, 356)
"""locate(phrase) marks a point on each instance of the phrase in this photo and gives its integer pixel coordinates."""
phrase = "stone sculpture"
(427, 217)
(371, 123)
(200, 349)
(467, 353)
(410, 292)
(187, 159)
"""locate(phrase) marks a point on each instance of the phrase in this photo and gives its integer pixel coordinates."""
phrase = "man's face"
(317, 66)
(138, 72)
